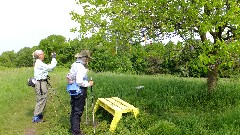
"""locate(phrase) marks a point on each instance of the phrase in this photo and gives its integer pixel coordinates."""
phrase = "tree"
(220, 18)
(8, 59)
(53, 43)
(24, 57)
(123, 20)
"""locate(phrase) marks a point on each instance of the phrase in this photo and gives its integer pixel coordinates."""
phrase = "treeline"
(182, 59)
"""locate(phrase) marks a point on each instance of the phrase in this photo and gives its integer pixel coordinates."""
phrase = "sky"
(24, 23)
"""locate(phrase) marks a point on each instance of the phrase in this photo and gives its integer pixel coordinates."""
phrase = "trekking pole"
(93, 110)
(86, 110)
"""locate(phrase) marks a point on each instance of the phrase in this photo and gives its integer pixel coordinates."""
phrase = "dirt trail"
(30, 131)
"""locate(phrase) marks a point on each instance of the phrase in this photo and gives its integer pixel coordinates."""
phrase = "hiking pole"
(86, 110)
(93, 109)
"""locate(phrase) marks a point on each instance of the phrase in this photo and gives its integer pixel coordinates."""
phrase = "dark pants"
(77, 106)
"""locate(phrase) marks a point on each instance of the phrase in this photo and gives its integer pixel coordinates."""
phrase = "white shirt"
(81, 74)
(41, 69)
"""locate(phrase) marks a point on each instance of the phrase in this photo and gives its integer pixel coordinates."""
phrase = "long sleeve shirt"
(81, 74)
(41, 69)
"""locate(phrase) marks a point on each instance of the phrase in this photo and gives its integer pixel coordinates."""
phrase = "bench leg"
(96, 106)
(115, 120)
(136, 112)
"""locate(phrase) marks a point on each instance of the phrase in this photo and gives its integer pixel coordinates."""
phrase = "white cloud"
(25, 23)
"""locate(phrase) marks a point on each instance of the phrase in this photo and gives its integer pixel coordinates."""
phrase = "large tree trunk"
(212, 77)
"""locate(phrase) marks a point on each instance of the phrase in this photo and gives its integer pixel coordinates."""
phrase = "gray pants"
(41, 97)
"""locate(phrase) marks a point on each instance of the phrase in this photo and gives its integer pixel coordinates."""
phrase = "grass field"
(168, 105)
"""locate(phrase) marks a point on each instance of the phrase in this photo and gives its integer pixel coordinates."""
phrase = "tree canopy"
(126, 22)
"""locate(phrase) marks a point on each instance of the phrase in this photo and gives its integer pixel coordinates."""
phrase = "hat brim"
(78, 55)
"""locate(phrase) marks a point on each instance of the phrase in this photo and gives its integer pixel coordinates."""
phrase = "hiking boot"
(80, 133)
(40, 116)
(36, 119)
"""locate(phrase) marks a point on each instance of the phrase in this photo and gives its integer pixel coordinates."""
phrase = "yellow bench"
(116, 107)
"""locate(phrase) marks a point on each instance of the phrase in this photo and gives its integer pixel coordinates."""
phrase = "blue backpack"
(72, 86)
(73, 89)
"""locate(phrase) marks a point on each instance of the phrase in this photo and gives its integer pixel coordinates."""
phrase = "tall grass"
(168, 105)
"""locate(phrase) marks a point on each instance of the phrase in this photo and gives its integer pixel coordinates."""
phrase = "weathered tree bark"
(212, 77)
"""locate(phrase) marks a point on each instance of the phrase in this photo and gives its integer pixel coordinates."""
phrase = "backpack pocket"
(73, 89)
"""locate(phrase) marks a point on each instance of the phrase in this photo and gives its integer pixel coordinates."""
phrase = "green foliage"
(182, 59)
(8, 59)
(24, 57)
(66, 55)
(189, 62)
(53, 43)
(108, 60)
(138, 59)
(123, 21)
